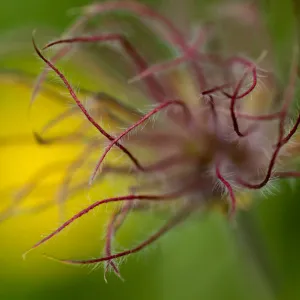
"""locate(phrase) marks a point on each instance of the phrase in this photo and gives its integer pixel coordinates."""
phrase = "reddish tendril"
(250, 67)
(82, 108)
(142, 120)
(236, 96)
(218, 163)
(216, 89)
(83, 212)
(157, 68)
(228, 187)
(178, 218)
(43, 75)
(189, 54)
(289, 93)
(93, 10)
(212, 107)
(158, 166)
(270, 167)
(268, 175)
(65, 189)
(174, 35)
(95, 97)
(109, 236)
(115, 223)
(154, 87)
(292, 131)
(79, 24)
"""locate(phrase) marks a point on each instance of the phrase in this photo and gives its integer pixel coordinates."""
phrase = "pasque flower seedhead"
(215, 128)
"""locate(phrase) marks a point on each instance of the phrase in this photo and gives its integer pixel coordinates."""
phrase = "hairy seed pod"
(218, 123)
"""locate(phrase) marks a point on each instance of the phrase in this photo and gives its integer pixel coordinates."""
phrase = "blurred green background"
(206, 258)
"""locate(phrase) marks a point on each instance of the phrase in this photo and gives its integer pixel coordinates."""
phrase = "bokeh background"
(206, 258)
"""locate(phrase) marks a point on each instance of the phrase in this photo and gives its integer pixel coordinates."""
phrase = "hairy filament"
(116, 221)
(178, 218)
(153, 85)
(188, 55)
(281, 141)
(236, 95)
(146, 117)
(289, 95)
(101, 202)
(56, 57)
(82, 108)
